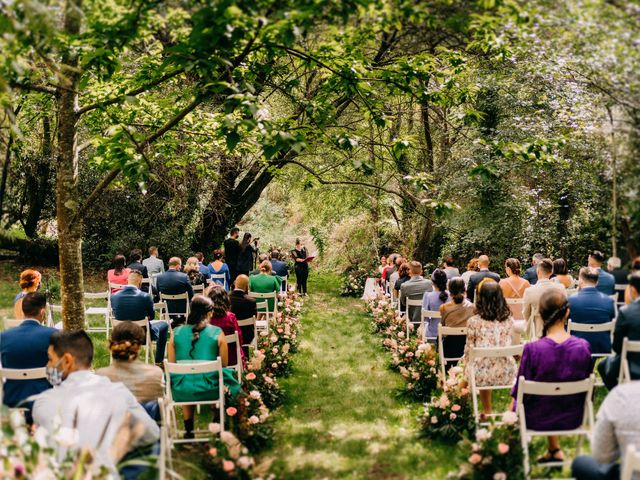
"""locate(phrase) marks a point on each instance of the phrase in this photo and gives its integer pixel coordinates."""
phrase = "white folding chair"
(103, 312)
(163, 311)
(614, 297)
(411, 303)
(477, 353)
(572, 291)
(631, 463)
(218, 279)
(267, 297)
(144, 324)
(443, 332)
(263, 311)
(250, 322)
(429, 314)
(556, 389)
(628, 346)
(594, 328)
(198, 289)
(174, 434)
(115, 286)
(53, 309)
(164, 297)
(11, 323)
(620, 287)
(20, 374)
(233, 339)
(146, 286)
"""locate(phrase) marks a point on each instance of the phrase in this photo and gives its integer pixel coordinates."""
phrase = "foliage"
(226, 458)
(353, 281)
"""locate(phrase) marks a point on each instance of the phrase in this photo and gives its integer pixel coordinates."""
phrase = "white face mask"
(54, 375)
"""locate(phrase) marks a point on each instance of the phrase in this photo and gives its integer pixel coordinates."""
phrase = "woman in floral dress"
(490, 327)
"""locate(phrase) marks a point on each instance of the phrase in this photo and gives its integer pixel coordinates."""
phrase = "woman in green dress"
(197, 341)
(265, 282)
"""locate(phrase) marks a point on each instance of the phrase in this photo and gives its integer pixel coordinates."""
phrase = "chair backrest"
(163, 311)
(620, 287)
(431, 314)
(515, 301)
(263, 295)
(218, 276)
(495, 352)
(628, 346)
(590, 327)
(96, 295)
(198, 289)
(11, 323)
(194, 368)
(20, 374)
(249, 322)
(265, 305)
(165, 297)
(413, 302)
(631, 463)
(233, 339)
(444, 331)
(116, 286)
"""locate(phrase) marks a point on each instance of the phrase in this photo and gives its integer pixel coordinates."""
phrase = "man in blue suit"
(174, 282)
(531, 273)
(131, 303)
(592, 306)
(202, 268)
(25, 346)
(279, 267)
(606, 281)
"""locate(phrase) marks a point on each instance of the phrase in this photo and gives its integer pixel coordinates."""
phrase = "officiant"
(302, 266)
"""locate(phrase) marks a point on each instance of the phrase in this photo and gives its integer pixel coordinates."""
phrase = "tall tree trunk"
(67, 191)
(426, 126)
(38, 182)
(7, 162)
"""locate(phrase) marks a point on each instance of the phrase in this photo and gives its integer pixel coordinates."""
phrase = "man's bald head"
(175, 262)
(483, 261)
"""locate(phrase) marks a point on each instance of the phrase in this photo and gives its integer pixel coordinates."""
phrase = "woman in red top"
(119, 274)
(227, 321)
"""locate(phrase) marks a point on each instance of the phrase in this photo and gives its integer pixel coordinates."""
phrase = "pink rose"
(213, 452)
(231, 411)
(475, 459)
(228, 466)
(251, 376)
(503, 448)
(456, 408)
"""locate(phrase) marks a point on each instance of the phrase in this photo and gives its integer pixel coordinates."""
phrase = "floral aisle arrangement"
(495, 455)
(353, 281)
(449, 416)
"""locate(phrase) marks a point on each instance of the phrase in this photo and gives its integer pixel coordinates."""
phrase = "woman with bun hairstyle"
(198, 341)
(29, 283)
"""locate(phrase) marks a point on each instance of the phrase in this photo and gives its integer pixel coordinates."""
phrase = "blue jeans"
(586, 468)
(159, 333)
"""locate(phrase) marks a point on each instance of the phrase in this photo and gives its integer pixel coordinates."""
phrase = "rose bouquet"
(266, 384)
(226, 457)
(247, 417)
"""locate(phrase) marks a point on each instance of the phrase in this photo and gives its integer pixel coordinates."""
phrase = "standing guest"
(218, 267)
(174, 282)
(393, 266)
(532, 296)
(25, 346)
(592, 306)
(635, 267)
(606, 282)
(246, 256)
(472, 267)
(617, 427)
(476, 278)
(449, 268)
(513, 286)
(199, 341)
(414, 289)
(225, 319)
(232, 252)
(531, 273)
(561, 273)
(455, 313)
(192, 269)
(89, 404)
(145, 382)
(383, 264)
(556, 357)
(265, 282)
(434, 299)
(29, 282)
(243, 307)
(202, 268)
(131, 303)
(390, 264)
(300, 255)
(154, 265)
(490, 327)
(404, 274)
(627, 326)
(280, 268)
(119, 274)
(135, 259)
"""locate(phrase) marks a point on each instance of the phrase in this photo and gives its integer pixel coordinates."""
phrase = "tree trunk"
(38, 182)
(422, 251)
(426, 126)
(67, 191)
(5, 165)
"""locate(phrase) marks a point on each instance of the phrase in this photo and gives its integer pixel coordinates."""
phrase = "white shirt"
(97, 408)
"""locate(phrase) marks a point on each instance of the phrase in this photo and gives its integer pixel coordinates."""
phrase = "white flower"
(245, 462)
(41, 437)
(67, 437)
(483, 434)
(253, 419)
(255, 394)
(434, 419)
(214, 428)
(16, 418)
(509, 418)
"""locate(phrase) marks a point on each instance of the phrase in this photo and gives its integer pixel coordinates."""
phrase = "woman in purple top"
(433, 300)
(224, 319)
(556, 357)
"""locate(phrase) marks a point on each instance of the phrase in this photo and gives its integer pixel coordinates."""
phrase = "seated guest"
(90, 404)
(627, 326)
(136, 263)
(243, 307)
(119, 274)
(449, 268)
(174, 282)
(225, 319)
(192, 269)
(265, 282)
(131, 303)
(513, 286)
(606, 282)
(476, 278)
(617, 427)
(404, 274)
(472, 267)
(591, 306)
(455, 313)
(146, 382)
(392, 267)
(561, 273)
(532, 296)
(393, 278)
(434, 299)
(263, 257)
(635, 267)
(531, 273)
(193, 342)
(279, 267)
(218, 267)
(25, 346)
(383, 264)
(556, 357)
(153, 263)
(491, 326)
(29, 282)
(204, 269)
(620, 275)
(414, 289)
(390, 264)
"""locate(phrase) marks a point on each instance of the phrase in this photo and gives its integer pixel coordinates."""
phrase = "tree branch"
(29, 87)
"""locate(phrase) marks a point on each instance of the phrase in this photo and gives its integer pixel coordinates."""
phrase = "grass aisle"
(342, 417)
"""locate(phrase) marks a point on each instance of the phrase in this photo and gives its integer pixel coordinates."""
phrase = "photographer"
(248, 254)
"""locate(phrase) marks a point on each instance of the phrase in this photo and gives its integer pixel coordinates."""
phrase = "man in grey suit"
(153, 263)
(414, 289)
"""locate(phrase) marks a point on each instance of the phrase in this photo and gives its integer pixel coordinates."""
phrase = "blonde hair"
(265, 266)
(191, 265)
